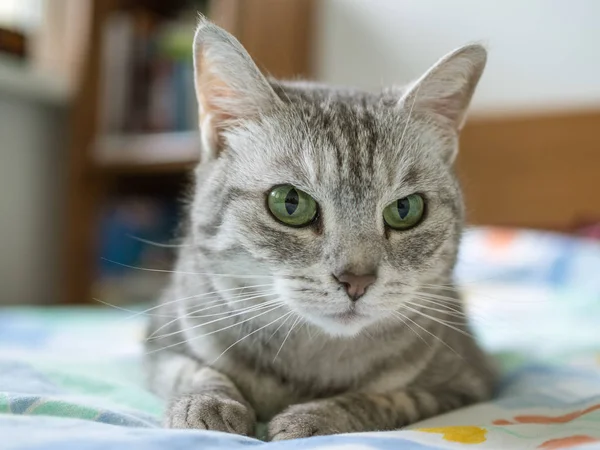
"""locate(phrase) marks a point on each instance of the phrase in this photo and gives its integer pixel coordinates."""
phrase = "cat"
(313, 290)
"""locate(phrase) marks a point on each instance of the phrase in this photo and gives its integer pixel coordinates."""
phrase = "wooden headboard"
(539, 171)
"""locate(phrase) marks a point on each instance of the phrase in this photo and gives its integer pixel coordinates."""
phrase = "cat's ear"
(447, 87)
(229, 86)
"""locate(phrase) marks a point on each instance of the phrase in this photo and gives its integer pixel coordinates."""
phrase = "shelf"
(147, 153)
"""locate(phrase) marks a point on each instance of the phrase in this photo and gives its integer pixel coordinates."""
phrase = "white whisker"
(135, 313)
(251, 333)
(438, 301)
(459, 290)
(170, 302)
(443, 311)
(279, 327)
(229, 312)
(435, 319)
(156, 244)
(131, 311)
(213, 332)
(286, 337)
(307, 327)
(404, 319)
(448, 309)
(431, 334)
(217, 299)
(200, 325)
(182, 272)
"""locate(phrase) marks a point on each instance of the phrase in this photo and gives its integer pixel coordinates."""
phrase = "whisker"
(184, 330)
(194, 296)
(156, 244)
(461, 289)
(445, 344)
(451, 322)
(279, 327)
(443, 311)
(182, 272)
(435, 319)
(217, 298)
(447, 287)
(307, 328)
(404, 319)
(213, 332)
(221, 301)
(131, 311)
(458, 290)
(135, 313)
(251, 333)
(191, 316)
(425, 297)
(455, 308)
(471, 312)
(286, 337)
(451, 310)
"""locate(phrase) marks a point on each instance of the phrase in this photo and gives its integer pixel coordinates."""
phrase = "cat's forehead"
(332, 140)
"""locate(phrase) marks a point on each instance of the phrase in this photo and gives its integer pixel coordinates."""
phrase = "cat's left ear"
(229, 87)
(447, 87)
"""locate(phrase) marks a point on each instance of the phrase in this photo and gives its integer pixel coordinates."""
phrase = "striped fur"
(249, 328)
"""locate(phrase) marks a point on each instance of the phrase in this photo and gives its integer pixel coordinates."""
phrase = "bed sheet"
(71, 378)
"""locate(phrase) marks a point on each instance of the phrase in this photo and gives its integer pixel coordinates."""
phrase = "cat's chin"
(346, 324)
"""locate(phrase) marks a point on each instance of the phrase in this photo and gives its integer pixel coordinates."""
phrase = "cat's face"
(345, 202)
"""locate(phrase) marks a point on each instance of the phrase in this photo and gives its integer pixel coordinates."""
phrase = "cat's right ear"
(229, 87)
(447, 87)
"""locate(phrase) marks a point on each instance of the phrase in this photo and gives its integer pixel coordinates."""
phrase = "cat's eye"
(291, 206)
(404, 213)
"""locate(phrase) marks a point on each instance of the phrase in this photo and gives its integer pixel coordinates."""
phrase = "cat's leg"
(199, 396)
(386, 403)
(373, 411)
(359, 412)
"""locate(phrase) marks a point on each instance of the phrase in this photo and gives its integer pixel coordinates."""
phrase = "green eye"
(291, 206)
(404, 213)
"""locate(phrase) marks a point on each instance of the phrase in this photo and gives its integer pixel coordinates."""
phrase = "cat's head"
(343, 202)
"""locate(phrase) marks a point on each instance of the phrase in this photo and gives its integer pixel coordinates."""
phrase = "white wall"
(543, 53)
(32, 171)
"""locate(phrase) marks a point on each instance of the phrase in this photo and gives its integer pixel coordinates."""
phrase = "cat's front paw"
(302, 421)
(210, 412)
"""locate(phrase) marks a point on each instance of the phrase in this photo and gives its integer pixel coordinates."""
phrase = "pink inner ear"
(213, 94)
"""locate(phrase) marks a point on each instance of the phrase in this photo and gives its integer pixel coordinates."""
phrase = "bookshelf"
(106, 163)
(130, 154)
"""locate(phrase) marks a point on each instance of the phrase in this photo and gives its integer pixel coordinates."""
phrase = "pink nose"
(355, 285)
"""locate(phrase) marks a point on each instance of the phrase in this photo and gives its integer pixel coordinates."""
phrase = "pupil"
(403, 208)
(291, 201)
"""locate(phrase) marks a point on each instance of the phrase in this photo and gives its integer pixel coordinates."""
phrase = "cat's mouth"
(344, 322)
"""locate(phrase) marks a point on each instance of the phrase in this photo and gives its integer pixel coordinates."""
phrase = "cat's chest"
(272, 377)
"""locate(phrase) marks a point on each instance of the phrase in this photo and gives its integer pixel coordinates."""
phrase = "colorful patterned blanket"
(70, 378)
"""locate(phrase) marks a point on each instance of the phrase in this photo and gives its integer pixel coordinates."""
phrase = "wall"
(32, 170)
(543, 53)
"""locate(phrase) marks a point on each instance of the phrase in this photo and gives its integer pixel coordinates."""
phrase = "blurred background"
(98, 119)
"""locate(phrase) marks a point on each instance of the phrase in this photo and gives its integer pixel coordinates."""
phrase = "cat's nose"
(355, 285)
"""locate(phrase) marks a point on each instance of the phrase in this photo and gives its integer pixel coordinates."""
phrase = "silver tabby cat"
(314, 288)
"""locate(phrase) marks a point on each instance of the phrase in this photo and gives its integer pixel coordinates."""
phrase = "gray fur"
(292, 362)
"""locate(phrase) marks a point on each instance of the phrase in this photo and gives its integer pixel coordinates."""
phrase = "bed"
(70, 377)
